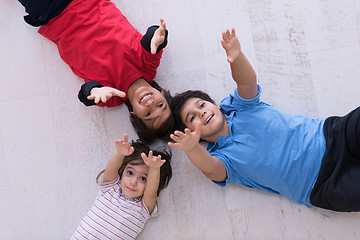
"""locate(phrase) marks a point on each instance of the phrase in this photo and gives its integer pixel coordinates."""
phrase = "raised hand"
(159, 37)
(187, 140)
(231, 44)
(152, 161)
(123, 147)
(104, 93)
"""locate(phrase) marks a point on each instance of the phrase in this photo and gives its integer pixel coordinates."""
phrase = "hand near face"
(158, 38)
(152, 161)
(187, 140)
(123, 147)
(104, 93)
(231, 45)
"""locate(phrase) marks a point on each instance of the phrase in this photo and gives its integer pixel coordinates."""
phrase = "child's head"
(157, 127)
(191, 107)
(133, 172)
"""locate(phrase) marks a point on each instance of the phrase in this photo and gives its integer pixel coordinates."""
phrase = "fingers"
(103, 98)
(233, 34)
(131, 150)
(162, 23)
(144, 157)
(197, 127)
(125, 137)
(150, 154)
(118, 93)
(227, 35)
(151, 160)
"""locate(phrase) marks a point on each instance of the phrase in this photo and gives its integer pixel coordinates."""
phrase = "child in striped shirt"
(132, 180)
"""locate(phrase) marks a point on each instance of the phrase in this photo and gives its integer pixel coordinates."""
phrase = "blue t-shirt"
(268, 150)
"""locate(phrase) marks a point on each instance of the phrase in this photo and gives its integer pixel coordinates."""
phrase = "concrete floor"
(306, 54)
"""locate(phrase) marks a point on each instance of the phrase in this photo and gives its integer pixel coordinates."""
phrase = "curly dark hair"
(136, 159)
(151, 135)
(178, 102)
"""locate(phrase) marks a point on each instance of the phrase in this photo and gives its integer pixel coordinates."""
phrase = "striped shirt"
(113, 215)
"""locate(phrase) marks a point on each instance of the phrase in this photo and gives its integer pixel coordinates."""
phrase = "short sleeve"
(222, 158)
(106, 186)
(234, 101)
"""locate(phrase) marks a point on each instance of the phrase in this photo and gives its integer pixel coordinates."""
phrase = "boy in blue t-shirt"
(310, 161)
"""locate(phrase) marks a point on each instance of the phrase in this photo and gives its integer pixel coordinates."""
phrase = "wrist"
(119, 154)
(194, 149)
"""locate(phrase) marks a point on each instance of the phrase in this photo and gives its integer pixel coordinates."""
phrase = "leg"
(338, 184)
(353, 133)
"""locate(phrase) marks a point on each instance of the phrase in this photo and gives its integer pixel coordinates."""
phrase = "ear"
(132, 113)
(217, 106)
(162, 92)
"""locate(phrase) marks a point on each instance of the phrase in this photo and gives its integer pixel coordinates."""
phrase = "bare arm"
(123, 149)
(241, 69)
(188, 142)
(153, 179)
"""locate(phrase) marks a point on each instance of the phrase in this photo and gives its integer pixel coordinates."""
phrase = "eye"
(192, 118)
(143, 179)
(202, 105)
(130, 173)
(160, 105)
(147, 114)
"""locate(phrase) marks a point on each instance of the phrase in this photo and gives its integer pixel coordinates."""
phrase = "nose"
(202, 113)
(133, 181)
(149, 102)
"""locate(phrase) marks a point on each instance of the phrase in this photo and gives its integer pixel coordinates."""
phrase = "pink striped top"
(113, 216)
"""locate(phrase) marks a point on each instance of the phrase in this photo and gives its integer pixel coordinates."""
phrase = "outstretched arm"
(241, 69)
(152, 182)
(188, 142)
(123, 148)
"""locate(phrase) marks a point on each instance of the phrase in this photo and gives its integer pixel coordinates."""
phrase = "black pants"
(42, 11)
(338, 185)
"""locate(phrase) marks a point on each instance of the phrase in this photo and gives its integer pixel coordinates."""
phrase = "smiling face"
(133, 180)
(213, 122)
(150, 106)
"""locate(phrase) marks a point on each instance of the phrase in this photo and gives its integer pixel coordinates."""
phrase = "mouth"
(145, 97)
(130, 189)
(208, 119)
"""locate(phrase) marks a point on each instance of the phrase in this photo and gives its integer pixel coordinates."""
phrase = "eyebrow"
(187, 115)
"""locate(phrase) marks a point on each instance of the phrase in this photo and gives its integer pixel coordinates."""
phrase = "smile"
(145, 97)
(209, 118)
(130, 189)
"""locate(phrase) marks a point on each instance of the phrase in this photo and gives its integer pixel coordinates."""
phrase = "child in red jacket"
(117, 63)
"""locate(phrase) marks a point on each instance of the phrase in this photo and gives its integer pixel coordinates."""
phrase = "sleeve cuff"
(146, 39)
(85, 92)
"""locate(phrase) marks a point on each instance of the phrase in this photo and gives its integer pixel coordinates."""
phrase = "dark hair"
(136, 159)
(178, 102)
(146, 134)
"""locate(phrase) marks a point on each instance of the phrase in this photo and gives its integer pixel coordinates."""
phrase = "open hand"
(104, 93)
(231, 45)
(123, 147)
(158, 38)
(187, 140)
(152, 161)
